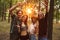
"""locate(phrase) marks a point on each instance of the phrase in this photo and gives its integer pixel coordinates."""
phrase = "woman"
(33, 28)
(24, 28)
(42, 26)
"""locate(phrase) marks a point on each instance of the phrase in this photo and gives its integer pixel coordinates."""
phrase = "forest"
(52, 7)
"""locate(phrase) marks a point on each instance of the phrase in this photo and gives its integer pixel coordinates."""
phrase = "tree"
(10, 2)
(50, 20)
(4, 7)
(57, 4)
(2, 10)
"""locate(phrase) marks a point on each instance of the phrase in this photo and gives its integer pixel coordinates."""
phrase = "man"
(15, 22)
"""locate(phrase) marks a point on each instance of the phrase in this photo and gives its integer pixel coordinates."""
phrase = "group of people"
(20, 30)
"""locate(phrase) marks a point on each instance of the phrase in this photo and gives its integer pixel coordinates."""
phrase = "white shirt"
(32, 28)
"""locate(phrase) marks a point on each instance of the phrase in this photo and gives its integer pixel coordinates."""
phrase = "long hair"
(25, 19)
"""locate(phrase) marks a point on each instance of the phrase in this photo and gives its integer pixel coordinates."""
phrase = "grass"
(5, 29)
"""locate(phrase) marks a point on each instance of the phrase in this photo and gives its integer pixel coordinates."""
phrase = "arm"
(13, 7)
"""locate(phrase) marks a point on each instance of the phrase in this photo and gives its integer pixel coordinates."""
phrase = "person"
(33, 28)
(24, 28)
(16, 21)
(42, 26)
(14, 34)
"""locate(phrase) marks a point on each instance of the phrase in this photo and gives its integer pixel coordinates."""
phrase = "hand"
(17, 25)
(19, 4)
(13, 7)
(41, 15)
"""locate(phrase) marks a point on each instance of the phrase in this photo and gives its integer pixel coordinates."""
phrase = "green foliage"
(56, 11)
(5, 4)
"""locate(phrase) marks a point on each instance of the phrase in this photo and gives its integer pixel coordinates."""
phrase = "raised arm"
(14, 7)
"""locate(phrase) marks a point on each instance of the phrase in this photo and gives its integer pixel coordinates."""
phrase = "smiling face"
(19, 13)
(34, 19)
(24, 18)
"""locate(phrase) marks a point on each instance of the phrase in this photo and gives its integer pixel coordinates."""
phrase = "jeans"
(32, 37)
(43, 38)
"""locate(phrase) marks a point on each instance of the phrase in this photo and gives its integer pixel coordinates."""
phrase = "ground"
(5, 29)
(56, 31)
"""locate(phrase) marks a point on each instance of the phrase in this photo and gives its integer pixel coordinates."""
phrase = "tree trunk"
(9, 13)
(2, 6)
(2, 17)
(57, 14)
(3, 14)
(4, 11)
(50, 20)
